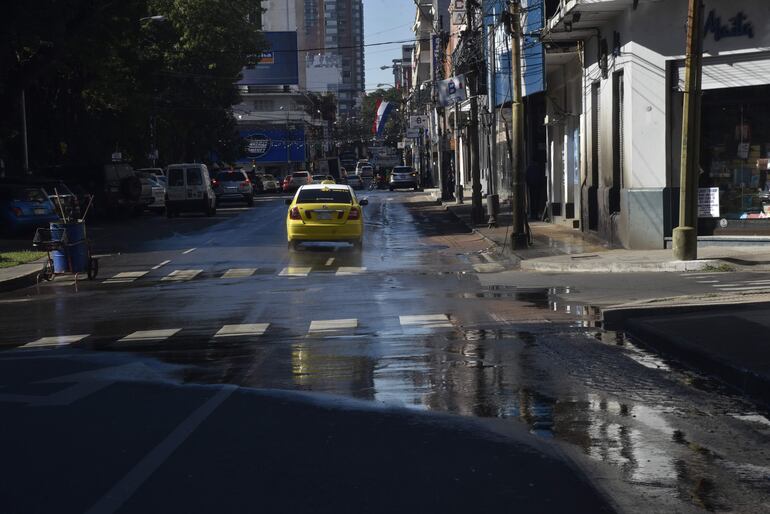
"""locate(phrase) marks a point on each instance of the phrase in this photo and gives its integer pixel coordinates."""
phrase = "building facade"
(334, 29)
(615, 89)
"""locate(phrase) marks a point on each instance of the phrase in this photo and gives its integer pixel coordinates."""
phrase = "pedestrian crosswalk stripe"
(292, 271)
(756, 282)
(125, 276)
(329, 261)
(701, 275)
(45, 342)
(349, 270)
(707, 281)
(728, 285)
(244, 329)
(332, 325)
(191, 250)
(149, 335)
(182, 275)
(239, 272)
(426, 321)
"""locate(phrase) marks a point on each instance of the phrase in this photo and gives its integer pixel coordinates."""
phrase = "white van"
(189, 189)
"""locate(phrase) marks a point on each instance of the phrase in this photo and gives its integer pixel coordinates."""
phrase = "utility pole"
(25, 148)
(519, 234)
(685, 236)
(458, 151)
(477, 210)
(493, 199)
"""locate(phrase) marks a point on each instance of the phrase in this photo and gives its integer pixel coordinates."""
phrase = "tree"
(97, 79)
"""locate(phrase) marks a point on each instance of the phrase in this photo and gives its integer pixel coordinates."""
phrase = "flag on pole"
(381, 112)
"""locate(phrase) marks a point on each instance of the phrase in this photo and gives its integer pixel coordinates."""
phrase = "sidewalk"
(562, 249)
(20, 276)
(691, 328)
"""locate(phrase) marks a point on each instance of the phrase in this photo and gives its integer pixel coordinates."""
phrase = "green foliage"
(99, 79)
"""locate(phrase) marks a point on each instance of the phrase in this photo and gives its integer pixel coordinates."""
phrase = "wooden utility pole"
(519, 234)
(685, 236)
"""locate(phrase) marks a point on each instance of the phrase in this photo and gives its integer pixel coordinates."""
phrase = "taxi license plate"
(324, 215)
(40, 211)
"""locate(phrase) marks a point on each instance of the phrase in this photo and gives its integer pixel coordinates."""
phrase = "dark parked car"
(115, 187)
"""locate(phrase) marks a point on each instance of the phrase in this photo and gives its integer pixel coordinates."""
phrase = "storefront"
(734, 151)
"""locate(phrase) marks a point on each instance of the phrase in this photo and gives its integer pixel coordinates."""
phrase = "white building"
(615, 80)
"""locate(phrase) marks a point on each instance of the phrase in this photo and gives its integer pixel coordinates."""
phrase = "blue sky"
(385, 20)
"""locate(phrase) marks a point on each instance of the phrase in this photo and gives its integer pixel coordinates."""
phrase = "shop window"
(735, 149)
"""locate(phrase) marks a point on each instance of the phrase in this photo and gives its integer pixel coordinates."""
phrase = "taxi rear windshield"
(321, 196)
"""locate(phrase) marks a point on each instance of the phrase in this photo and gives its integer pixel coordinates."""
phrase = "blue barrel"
(75, 250)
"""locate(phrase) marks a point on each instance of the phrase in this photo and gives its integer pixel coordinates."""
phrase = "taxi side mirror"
(288, 201)
(363, 201)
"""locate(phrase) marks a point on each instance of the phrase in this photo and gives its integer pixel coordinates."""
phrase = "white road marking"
(426, 321)
(332, 325)
(180, 275)
(294, 272)
(244, 329)
(125, 277)
(707, 281)
(149, 335)
(191, 250)
(44, 342)
(490, 267)
(756, 288)
(756, 282)
(329, 261)
(239, 272)
(160, 265)
(349, 270)
(737, 284)
(701, 275)
(114, 499)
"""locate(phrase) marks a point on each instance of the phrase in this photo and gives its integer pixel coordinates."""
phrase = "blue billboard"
(273, 145)
(277, 65)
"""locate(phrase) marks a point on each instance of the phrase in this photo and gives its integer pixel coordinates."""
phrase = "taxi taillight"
(294, 214)
(354, 213)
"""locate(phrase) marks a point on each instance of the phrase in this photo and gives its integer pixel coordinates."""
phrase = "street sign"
(452, 90)
(117, 156)
(419, 121)
(401, 145)
(413, 133)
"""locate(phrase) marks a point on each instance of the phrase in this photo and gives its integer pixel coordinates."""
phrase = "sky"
(385, 20)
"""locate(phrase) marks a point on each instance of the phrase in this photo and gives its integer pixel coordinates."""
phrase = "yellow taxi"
(325, 212)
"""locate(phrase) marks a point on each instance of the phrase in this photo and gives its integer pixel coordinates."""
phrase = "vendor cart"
(68, 249)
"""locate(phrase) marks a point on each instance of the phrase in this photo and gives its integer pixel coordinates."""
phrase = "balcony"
(576, 20)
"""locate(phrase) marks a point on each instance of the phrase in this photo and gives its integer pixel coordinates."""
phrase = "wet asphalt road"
(410, 382)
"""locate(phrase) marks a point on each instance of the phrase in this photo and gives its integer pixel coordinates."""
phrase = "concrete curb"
(630, 318)
(615, 316)
(25, 275)
(585, 264)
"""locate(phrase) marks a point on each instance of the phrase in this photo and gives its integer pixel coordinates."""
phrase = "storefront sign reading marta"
(739, 26)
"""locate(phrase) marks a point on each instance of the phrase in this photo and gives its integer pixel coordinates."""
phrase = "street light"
(157, 17)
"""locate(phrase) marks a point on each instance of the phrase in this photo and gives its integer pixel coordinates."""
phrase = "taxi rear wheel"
(293, 246)
(358, 245)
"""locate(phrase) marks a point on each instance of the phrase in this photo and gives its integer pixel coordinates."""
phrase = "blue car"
(24, 208)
